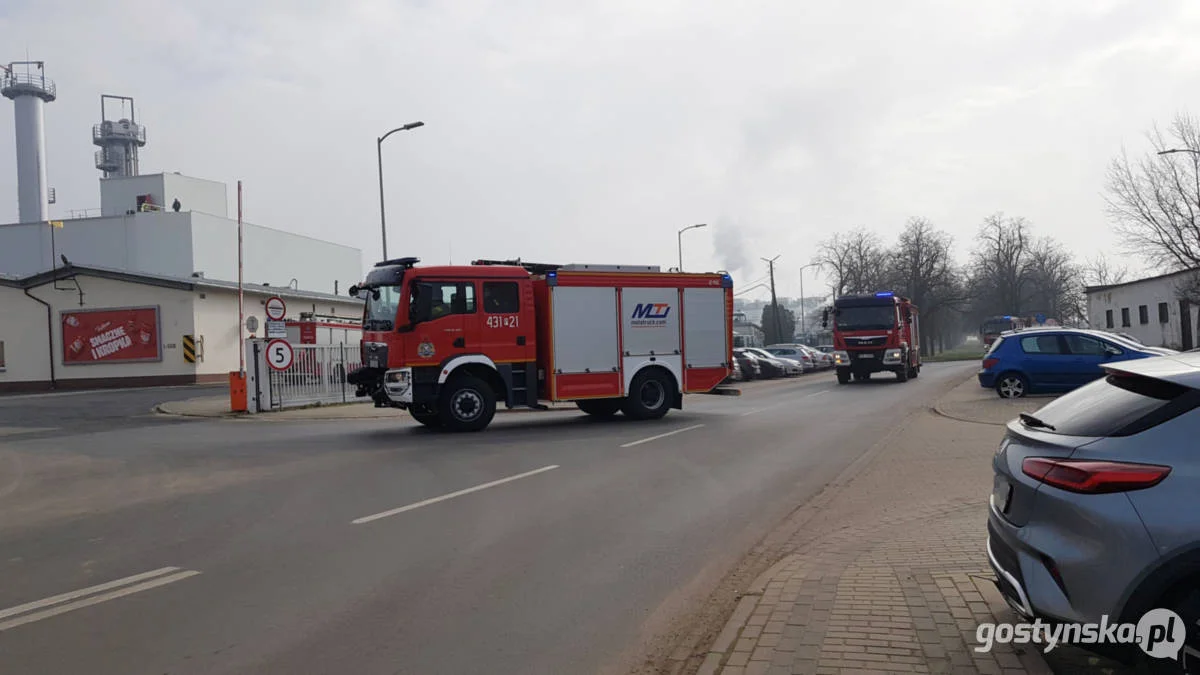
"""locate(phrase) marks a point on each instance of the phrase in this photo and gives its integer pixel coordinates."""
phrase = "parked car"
(751, 368)
(827, 349)
(1036, 360)
(735, 374)
(1088, 515)
(795, 353)
(777, 365)
(823, 360)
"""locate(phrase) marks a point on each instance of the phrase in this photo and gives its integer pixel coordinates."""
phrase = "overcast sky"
(590, 131)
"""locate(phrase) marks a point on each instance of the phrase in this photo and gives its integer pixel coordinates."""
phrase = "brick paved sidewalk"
(887, 572)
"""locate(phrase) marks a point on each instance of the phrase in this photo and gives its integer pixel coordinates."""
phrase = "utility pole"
(774, 301)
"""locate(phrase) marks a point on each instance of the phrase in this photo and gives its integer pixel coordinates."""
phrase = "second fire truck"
(875, 333)
(448, 343)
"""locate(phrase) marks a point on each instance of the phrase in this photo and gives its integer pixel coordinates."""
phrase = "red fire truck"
(447, 343)
(875, 333)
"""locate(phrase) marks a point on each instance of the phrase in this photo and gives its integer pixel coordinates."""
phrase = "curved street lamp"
(379, 155)
(680, 238)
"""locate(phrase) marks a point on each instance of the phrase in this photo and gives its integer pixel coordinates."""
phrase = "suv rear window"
(1117, 405)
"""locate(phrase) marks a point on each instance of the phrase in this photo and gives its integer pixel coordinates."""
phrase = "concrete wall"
(23, 332)
(151, 243)
(1148, 293)
(119, 195)
(272, 256)
(216, 322)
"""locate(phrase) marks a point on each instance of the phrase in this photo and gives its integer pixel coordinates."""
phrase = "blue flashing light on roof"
(1007, 317)
(885, 294)
(552, 278)
(726, 281)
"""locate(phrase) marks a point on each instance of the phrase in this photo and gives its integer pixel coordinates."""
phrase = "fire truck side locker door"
(586, 350)
(706, 334)
(650, 331)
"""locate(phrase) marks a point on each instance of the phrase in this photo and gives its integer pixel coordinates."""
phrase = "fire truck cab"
(447, 343)
(875, 333)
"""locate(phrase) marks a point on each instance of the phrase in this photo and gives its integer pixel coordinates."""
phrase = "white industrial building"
(1154, 310)
(160, 249)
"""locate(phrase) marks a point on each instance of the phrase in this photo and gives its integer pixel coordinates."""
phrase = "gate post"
(255, 372)
(342, 370)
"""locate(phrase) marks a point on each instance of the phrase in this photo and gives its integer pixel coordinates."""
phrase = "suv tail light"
(988, 363)
(1094, 477)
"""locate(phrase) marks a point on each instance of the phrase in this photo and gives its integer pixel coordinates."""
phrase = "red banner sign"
(110, 335)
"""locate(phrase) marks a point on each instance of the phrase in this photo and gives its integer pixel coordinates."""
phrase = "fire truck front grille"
(865, 342)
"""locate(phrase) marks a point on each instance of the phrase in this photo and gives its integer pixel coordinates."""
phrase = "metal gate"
(317, 375)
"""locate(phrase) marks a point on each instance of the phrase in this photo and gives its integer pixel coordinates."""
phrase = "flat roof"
(183, 284)
(1106, 287)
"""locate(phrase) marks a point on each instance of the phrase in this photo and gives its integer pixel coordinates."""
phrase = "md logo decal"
(650, 314)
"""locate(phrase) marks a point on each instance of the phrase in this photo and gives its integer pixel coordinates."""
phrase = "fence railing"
(317, 375)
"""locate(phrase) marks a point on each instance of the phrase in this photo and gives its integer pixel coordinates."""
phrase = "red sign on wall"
(308, 333)
(111, 335)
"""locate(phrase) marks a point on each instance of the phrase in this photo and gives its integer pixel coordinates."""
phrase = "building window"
(1125, 317)
(1143, 314)
(1163, 316)
(1108, 320)
(501, 297)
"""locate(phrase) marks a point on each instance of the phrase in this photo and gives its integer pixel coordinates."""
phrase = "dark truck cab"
(874, 333)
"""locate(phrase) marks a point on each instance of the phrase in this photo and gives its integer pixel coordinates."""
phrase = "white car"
(793, 353)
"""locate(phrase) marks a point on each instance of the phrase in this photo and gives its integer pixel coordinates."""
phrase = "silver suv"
(1095, 508)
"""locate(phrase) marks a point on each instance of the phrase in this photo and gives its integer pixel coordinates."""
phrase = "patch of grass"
(960, 354)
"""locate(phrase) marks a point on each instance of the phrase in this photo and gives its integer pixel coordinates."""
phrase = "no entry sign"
(276, 308)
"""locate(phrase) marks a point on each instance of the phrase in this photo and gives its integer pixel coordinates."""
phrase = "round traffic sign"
(251, 323)
(279, 354)
(276, 308)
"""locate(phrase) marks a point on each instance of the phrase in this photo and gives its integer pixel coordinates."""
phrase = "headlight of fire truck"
(398, 385)
(891, 356)
(841, 358)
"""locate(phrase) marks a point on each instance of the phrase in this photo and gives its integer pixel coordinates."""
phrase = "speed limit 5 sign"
(279, 354)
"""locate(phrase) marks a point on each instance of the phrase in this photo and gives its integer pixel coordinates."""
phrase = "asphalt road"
(74, 412)
(550, 543)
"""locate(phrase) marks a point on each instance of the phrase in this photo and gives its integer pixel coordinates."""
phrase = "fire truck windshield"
(382, 302)
(878, 317)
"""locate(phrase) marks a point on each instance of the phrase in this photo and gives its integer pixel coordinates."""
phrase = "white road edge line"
(655, 438)
(96, 599)
(818, 393)
(54, 600)
(452, 495)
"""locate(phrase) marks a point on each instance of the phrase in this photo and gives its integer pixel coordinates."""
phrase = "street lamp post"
(803, 326)
(379, 155)
(680, 238)
(1175, 150)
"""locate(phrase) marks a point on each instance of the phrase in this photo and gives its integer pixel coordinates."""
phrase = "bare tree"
(1055, 282)
(855, 259)
(1100, 271)
(998, 279)
(1155, 200)
(923, 269)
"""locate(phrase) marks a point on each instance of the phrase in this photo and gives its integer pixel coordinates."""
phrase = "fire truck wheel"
(467, 403)
(902, 373)
(843, 375)
(427, 415)
(914, 371)
(649, 395)
(602, 407)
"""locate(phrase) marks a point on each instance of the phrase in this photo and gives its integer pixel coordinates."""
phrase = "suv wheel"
(1012, 385)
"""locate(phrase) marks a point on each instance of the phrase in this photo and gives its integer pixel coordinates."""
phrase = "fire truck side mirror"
(354, 291)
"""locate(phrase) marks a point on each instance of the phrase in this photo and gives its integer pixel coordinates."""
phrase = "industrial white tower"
(25, 82)
(118, 139)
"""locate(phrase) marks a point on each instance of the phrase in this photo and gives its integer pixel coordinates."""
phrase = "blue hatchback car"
(1041, 360)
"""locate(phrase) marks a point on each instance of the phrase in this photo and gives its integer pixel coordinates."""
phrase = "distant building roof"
(188, 284)
(1108, 287)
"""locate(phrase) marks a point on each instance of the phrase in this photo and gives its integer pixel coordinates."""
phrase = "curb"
(970, 420)
(265, 416)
